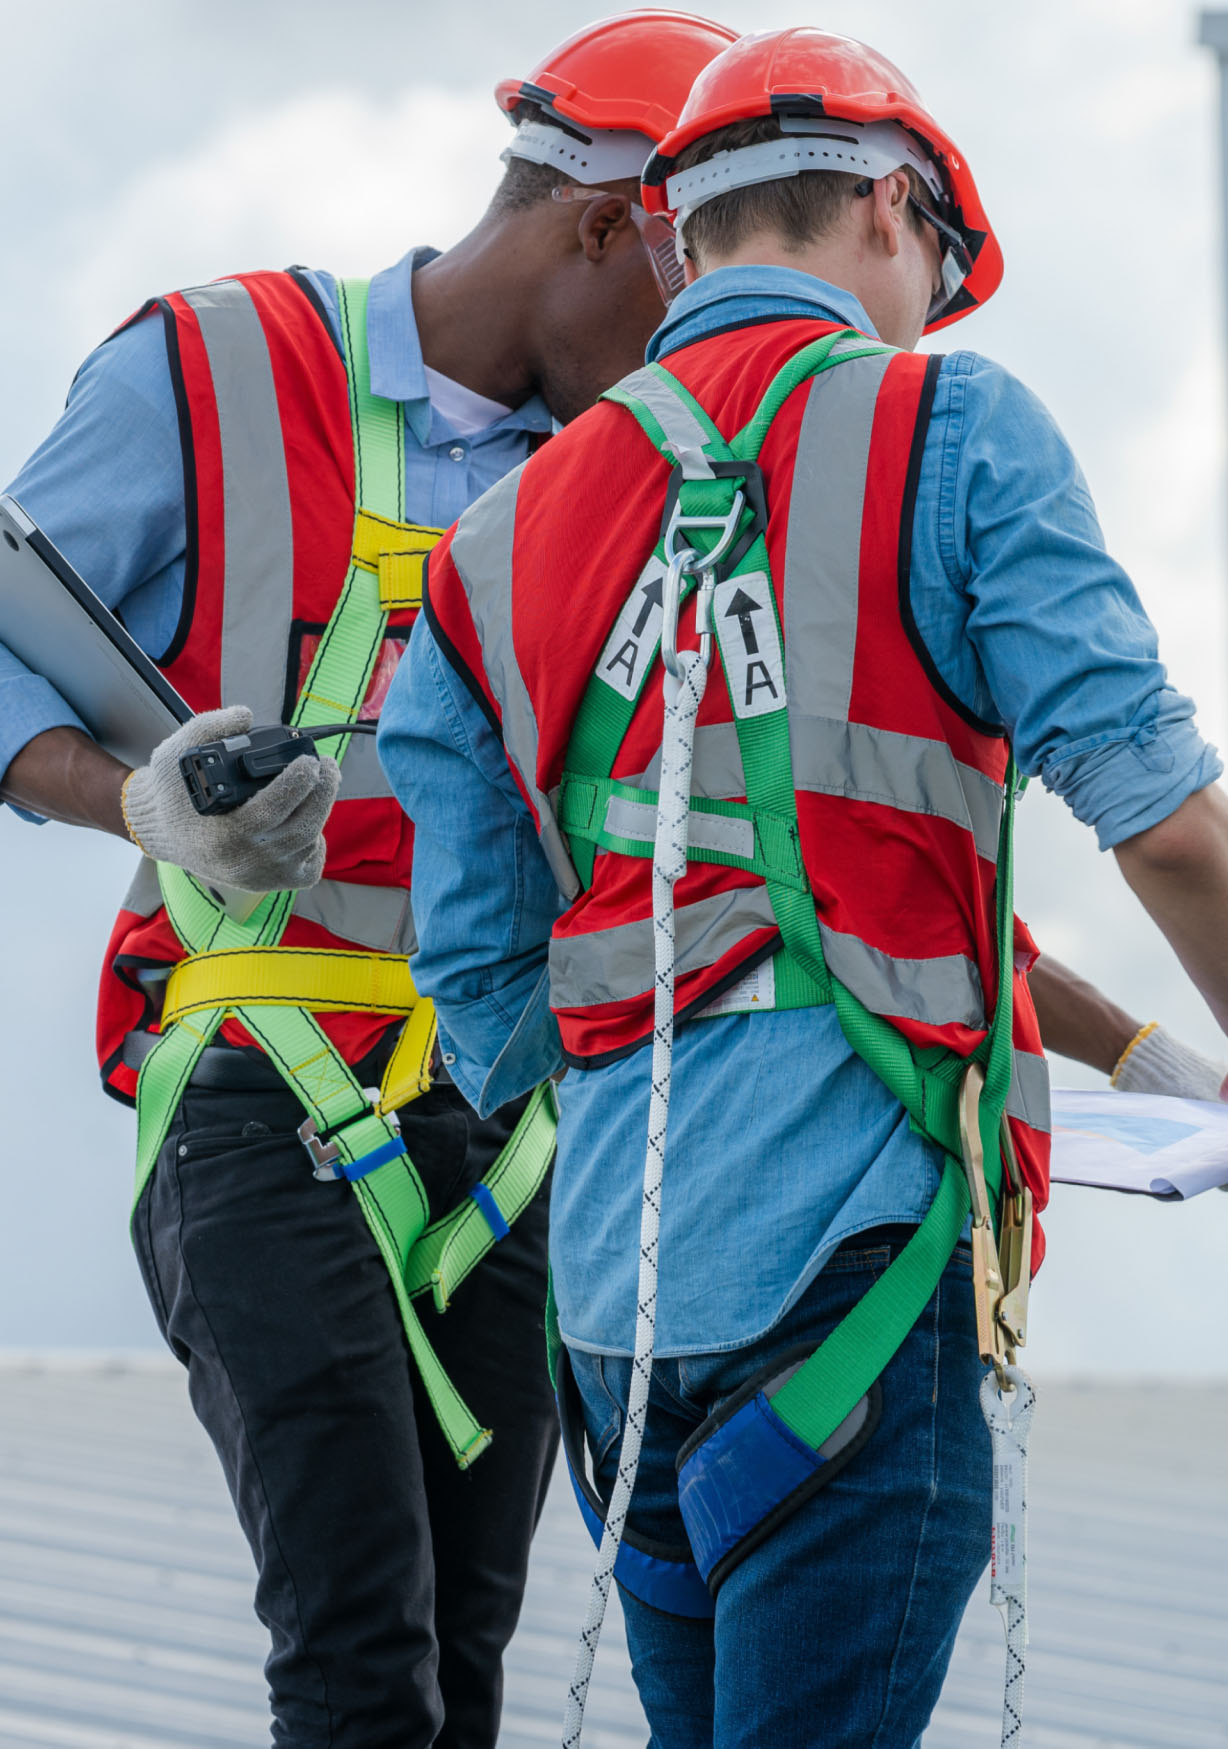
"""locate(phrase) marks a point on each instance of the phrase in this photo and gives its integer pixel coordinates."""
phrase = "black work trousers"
(390, 1581)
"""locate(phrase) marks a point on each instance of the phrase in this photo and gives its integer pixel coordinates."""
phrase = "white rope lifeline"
(683, 692)
(1008, 1415)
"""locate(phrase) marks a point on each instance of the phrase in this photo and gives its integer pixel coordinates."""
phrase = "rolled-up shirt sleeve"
(1067, 652)
(484, 898)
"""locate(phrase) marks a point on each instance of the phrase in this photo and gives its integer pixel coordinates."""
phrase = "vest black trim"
(457, 662)
(911, 630)
(191, 508)
(299, 276)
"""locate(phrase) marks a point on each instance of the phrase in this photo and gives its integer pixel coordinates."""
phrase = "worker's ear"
(601, 223)
(889, 209)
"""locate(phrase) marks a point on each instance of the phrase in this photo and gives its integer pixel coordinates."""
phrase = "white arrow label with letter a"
(745, 620)
(636, 634)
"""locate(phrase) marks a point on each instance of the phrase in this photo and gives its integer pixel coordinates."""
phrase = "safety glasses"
(956, 261)
(656, 235)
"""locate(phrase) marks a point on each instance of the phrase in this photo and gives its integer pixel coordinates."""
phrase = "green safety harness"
(928, 1082)
(239, 970)
(713, 541)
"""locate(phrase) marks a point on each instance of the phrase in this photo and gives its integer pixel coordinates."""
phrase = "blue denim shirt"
(107, 484)
(782, 1143)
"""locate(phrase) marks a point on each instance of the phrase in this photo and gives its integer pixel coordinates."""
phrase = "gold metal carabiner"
(987, 1283)
(1014, 1247)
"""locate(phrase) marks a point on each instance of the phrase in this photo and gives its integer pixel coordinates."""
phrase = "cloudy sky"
(144, 148)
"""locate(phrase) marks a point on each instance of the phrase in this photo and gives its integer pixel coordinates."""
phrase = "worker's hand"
(271, 842)
(1156, 1062)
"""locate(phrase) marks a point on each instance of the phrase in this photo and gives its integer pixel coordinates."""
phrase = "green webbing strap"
(336, 687)
(818, 1397)
(391, 1196)
(345, 658)
(454, 1245)
(838, 1374)
(167, 1069)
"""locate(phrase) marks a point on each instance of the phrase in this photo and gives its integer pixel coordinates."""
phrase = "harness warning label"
(744, 614)
(637, 632)
(757, 989)
(1008, 1548)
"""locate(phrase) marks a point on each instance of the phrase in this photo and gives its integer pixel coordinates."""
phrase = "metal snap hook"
(681, 564)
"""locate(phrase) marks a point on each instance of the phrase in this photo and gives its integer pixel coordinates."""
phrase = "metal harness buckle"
(321, 1145)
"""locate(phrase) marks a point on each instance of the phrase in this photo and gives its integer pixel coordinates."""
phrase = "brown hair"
(795, 210)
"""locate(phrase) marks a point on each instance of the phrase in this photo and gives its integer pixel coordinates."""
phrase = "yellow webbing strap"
(397, 552)
(409, 1068)
(322, 980)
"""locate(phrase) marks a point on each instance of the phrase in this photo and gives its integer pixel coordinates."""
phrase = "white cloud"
(328, 178)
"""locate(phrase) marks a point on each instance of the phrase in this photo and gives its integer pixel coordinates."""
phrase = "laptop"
(52, 621)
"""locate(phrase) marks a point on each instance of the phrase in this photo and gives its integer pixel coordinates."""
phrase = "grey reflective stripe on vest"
(374, 917)
(683, 432)
(638, 820)
(362, 775)
(858, 762)
(1028, 1098)
(908, 772)
(939, 991)
(144, 895)
(717, 772)
(823, 546)
(258, 603)
(482, 554)
(611, 965)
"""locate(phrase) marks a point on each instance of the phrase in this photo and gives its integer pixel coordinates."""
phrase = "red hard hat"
(808, 73)
(632, 72)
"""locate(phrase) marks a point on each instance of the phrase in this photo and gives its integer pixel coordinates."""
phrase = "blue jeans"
(836, 1632)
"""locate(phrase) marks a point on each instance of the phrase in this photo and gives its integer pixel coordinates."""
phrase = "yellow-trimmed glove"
(1156, 1062)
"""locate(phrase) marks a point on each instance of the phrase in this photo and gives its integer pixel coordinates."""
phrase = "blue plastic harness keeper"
(355, 1169)
(490, 1211)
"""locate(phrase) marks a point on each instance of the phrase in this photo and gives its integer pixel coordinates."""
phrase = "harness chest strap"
(242, 971)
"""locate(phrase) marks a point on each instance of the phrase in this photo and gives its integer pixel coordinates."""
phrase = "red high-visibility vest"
(898, 786)
(268, 456)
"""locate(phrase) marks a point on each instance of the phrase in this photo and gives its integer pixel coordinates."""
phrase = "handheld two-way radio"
(221, 775)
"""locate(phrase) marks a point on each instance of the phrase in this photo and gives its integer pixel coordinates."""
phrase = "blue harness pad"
(744, 1471)
(737, 1476)
(741, 1473)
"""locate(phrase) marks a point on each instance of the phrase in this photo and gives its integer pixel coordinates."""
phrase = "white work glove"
(270, 843)
(1156, 1062)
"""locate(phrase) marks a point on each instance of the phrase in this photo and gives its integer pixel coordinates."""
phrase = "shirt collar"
(731, 296)
(394, 353)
